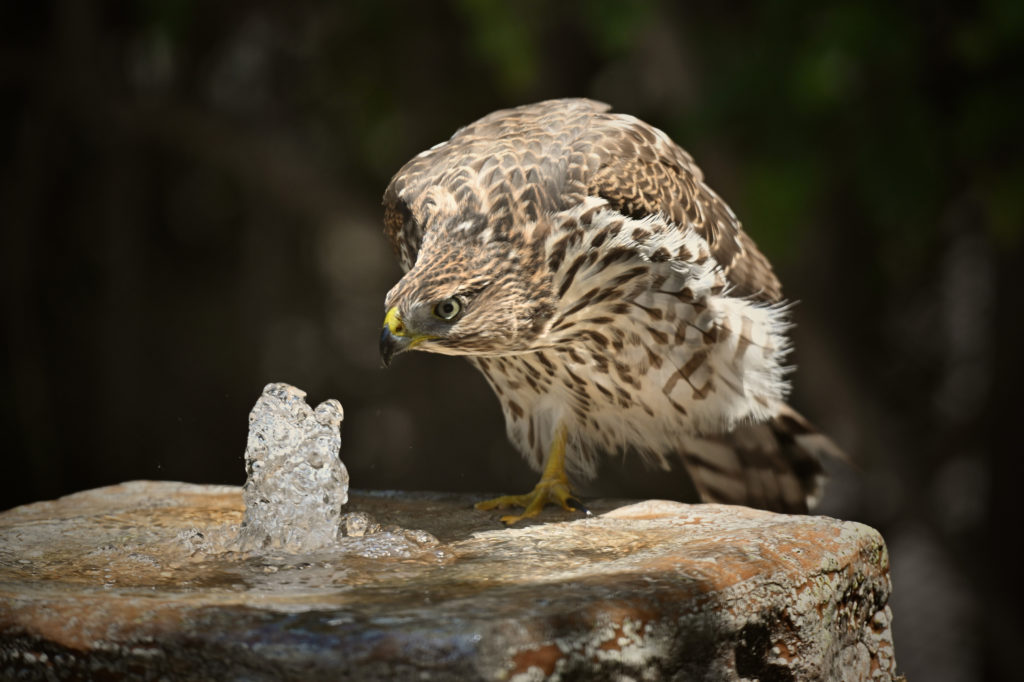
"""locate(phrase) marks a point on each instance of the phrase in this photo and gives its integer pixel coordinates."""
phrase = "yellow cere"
(397, 327)
(394, 323)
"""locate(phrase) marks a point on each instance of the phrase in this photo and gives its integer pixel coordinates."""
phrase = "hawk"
(576, 257)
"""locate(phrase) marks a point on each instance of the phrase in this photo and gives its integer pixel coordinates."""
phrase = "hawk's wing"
(643, 172)
(553, 154)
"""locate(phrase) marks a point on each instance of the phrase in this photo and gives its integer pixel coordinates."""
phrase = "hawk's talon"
(553, 487)
(578, 506)
(546, 492)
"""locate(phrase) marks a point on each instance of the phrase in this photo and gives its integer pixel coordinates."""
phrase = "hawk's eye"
(448, 309)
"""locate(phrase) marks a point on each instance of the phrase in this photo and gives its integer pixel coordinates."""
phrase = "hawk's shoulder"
(643, 172)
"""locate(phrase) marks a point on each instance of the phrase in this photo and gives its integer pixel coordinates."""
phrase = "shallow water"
(178, 541)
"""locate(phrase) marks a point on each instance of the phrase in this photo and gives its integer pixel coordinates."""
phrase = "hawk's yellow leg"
(553, 488)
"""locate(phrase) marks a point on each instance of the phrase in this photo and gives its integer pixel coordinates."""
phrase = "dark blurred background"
(190, 209)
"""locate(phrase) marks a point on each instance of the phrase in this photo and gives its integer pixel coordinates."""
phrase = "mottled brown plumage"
(609, 296)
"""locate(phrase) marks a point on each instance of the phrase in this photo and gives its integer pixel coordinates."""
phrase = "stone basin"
(140, 581)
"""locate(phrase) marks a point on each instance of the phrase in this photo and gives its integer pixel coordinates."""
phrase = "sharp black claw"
(578, 506)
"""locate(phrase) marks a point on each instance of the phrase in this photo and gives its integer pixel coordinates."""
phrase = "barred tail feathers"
(774, 465)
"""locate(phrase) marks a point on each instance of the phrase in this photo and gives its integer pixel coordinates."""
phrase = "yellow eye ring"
(448, 309)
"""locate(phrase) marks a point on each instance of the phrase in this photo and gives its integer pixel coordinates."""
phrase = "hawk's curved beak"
(394, 337)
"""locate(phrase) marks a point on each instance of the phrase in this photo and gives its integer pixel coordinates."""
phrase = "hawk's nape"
(610, 298)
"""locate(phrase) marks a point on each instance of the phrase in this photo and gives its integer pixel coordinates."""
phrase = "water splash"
(296, 484)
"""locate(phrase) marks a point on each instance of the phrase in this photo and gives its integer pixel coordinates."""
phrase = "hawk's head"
(466, 295)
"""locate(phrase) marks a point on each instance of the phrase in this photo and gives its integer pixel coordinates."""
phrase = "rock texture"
(139, 581)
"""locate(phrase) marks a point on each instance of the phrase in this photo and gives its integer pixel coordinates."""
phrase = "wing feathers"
(549, 156)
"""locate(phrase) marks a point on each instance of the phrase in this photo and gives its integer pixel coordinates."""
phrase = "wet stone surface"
(145, 580)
